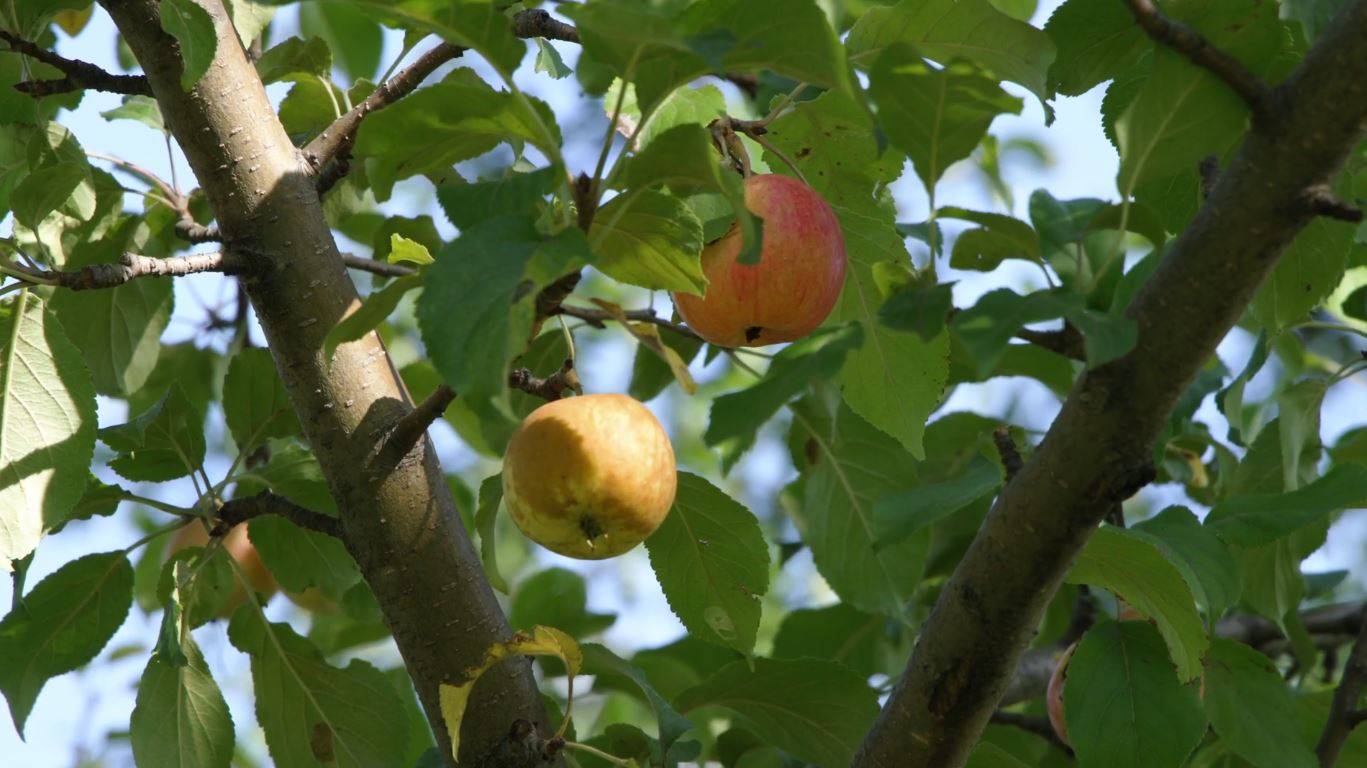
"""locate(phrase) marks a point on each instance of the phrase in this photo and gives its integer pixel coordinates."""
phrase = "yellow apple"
(589, 477)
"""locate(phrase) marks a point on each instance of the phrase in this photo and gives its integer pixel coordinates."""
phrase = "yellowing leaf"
(649, 336)
(403, 249)
(538, 641)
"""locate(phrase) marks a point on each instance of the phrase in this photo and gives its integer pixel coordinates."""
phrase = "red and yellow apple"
(589, 477)
(238, 544)
(794, 286)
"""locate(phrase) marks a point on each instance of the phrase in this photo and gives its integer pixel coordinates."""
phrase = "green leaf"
(1096, 42)
(357, 41)
(1204, 561)
(639, 43)
(736, 417)
(300, 558)
(556, 598)
(683, 156)
(295, 59)
(47, 426)
(201, 582)
(988, 326)
(989, 755)
(466, 205)
(548, 60)
(457, 119)
(255, 405)
(838, 633)
(920, 310)
(61, 625)
(1138, 573)
(817, 711)
(1124, 705)
(486, 519)
(312, 712)
(466, 310)
(601, 662)
(180, 717)
(1001, 237)
(292, 472)
(1106, 336)
(685, 105)
(118, 330)
(649, 239)
(712, 563)
(48, 188)
(142, 109)
(970, 30)
(1306, 273)
(164, 443)
(376, 308)
(1251, 708)
(1298, 422)
(1230, 400)
(789, 37)
(193, 28)
(1254, 520)
(854, 466)
(936, 116)
(898, 516)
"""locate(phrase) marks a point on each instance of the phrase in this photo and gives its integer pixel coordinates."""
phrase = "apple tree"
(415, 236)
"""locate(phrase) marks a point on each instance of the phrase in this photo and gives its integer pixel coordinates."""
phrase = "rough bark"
(1098, 449)
(402, 527)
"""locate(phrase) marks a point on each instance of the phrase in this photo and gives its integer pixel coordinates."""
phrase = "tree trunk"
(402, 526)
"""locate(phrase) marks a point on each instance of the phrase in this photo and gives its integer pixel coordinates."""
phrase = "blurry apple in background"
(238, 544)
(590, 476)
(794, 286)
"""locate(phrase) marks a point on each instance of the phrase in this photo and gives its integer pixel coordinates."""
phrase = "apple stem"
(788, 161)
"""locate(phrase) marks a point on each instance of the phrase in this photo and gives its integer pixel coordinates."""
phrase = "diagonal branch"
(79, 74)
(130, 267)
(241, 510)
(1202, 53)
(334, 143)
(1344, 713)
(1099, 448)
(409, 430)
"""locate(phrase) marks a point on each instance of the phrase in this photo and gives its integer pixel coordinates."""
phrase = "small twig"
(598, 318)
(328, 153)
(1343, 711)
(1321, 201)
(550, 388)
(186, 227)
(132, 266)
(337, 139)
(268, 503)
(383, 268)
(1006, 448)
(1037, 725)
(1209, 168)
(79, 74)
(1067, 341)
(409, 430)
(548, 300)
(1202, 53)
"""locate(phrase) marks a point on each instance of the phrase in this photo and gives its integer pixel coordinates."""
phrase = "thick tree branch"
(1198, 49)
(79, 74)
(1102, 440)
(1344, 714)
(335, 142)
(241, 510)
(404, 530)
(131, 266)
(1066, 341)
